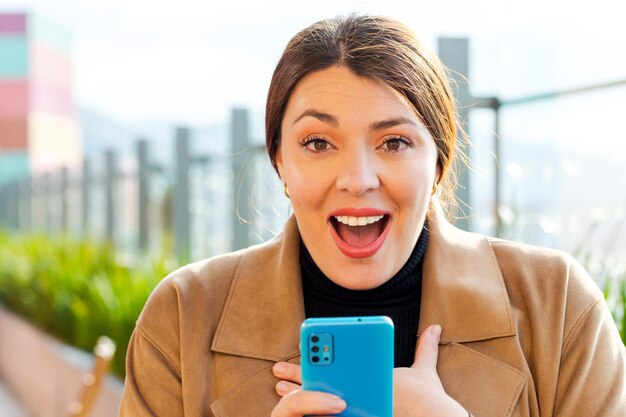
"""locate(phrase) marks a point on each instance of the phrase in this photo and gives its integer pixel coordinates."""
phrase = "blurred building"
(38, 126)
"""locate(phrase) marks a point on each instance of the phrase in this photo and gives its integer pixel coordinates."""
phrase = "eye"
(316, 144)
(396, 144)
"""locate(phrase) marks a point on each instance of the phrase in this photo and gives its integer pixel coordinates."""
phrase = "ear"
(438, 171)
(278, 159)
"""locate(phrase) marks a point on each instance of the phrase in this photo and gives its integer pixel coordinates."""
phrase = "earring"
(435, 188)
(285, 190)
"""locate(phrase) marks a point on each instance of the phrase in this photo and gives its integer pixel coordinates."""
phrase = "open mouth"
(359, 236)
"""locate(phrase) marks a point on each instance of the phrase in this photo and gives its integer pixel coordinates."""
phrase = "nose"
(358, 172)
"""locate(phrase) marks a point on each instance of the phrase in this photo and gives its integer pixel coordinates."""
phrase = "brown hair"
(381, 49)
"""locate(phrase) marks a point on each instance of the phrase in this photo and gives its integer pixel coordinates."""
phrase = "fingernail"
(339, 404)
(281, 387)
(278, 368)
(437, 330)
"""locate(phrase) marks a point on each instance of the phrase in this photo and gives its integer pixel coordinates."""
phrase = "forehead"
(338, 85)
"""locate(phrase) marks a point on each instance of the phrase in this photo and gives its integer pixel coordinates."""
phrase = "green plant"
(76, 290)
(615, 294)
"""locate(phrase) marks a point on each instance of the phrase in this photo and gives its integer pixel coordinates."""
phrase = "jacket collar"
(264, 309)
(462, 290)
(462, 286)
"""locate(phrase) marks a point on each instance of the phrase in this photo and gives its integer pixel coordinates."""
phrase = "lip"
(365, 251)
(358, 212)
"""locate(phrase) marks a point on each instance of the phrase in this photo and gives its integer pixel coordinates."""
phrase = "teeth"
(358, 221)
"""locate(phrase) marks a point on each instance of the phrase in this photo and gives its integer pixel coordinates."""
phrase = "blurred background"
(131, 141)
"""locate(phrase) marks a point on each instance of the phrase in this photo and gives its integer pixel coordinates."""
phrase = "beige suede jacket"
(526, 332)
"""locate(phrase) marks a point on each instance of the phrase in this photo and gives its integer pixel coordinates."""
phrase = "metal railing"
(497, 104)
(146, 205)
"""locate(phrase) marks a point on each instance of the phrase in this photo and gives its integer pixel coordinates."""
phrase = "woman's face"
(360, 166)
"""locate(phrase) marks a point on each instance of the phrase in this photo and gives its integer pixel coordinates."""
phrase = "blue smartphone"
(351, 357)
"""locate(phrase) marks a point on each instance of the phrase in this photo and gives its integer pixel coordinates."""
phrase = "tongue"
(359, 236)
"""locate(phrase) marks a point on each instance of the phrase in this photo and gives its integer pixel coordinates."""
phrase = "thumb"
(427, 349)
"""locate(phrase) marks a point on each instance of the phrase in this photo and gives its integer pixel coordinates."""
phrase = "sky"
(190, 61)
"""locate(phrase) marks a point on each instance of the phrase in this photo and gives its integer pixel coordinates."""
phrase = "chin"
(358, 280)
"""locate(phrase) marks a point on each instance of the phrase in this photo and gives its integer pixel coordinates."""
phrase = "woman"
(361, 127)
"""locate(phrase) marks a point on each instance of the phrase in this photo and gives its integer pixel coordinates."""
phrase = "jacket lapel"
(261, 320)
(463, 290)
(265, 308)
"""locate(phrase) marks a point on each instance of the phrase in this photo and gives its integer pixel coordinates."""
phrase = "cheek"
(410, 193)
(308, 184)
(411, 188)
(308, 187)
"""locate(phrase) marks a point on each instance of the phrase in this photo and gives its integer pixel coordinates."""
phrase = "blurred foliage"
(76, 291)
(615, 294)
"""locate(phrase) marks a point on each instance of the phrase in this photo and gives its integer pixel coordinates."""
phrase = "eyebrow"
(384, 124)
(332, 120)
(321, 116)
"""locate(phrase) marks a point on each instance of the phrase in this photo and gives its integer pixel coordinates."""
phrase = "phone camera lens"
(315, 349)
(315, 339)
(315, 359)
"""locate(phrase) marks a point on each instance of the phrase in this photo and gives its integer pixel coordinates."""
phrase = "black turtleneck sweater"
(399, 298)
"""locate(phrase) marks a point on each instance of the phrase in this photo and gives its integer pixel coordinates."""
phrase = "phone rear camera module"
(320, 348)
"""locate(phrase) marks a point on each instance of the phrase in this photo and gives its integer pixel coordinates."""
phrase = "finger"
(299, 403)
(427, 349)
(287, 371)
(285, 387)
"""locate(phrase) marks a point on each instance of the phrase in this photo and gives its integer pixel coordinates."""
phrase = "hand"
(296, 402)
(418, 391)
